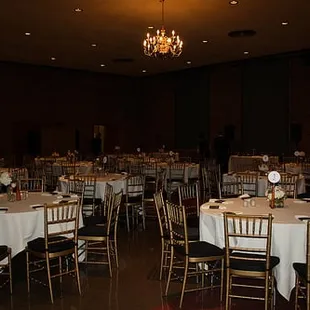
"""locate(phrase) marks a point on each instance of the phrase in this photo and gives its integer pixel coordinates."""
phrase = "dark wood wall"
(259, 99)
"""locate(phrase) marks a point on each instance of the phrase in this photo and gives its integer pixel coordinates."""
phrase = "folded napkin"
(300, 201)
(3, 210)
(37, 206)
(244, 196)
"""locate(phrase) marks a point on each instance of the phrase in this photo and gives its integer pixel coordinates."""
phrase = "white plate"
(3, 211)
(207, 207)
(300, 201)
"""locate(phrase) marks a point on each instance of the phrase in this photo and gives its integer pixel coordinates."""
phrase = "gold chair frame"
(7, 273)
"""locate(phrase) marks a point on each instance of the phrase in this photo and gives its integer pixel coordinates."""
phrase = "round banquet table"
(118, 181)
(288, 233)
(21, 223)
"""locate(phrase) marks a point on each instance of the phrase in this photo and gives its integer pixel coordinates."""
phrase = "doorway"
(98, 139)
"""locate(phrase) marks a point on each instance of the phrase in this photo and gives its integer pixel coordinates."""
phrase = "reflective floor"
(134, 286)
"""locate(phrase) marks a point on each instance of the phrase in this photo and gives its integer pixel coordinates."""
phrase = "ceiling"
(118, 27)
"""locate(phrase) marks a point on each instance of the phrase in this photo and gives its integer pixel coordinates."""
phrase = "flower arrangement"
(279, 196)
(5, 178)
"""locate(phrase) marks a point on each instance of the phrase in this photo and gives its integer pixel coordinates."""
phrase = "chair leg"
(184, 282)
(10, 271)
(28, 271)
(296, 292)
(308, 292)
(49, 278)
(127, 219)
(60, 270)
(143, 216)
(109, 256)
(77, 269)
(227, 299)
(116, 252)
(170, 272)
(222, 280)
(266, 290)
(162, 259)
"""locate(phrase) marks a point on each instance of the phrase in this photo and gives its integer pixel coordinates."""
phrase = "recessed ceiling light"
(144, 71)
(246, 53)
(150, 27)
(27, 33)
(78, 10)
(205, 41)
(93, 44)
(102, 65)
(233, 2)
(188, 62)
(53, 58)
(285, 23)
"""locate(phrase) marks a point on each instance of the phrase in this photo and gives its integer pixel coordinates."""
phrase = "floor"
(135, 286)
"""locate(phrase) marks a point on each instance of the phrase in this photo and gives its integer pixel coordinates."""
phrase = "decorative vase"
(10, 194)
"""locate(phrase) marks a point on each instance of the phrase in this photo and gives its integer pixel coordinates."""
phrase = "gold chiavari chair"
(289, 183)
(134, 199)
(302, 271)
(175, 177)
(76, 186)
(197, 253)
(6, 266)
(210, 182)
(102, 215)
(248, 246)
(231, 189)
(101, 240)
(150, 187)
(32, 185)
(164, 232)
(190, 198)
(250, 182)
(59, 244)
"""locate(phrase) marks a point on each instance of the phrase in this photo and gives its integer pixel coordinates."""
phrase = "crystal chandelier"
(161, 45)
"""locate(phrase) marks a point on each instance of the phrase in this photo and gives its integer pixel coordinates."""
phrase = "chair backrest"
(210, 182)
(61, 220)
(177, 225)
(231, 189)
(289, 183)
(134, 185)
(190, 198)
(76, 186)
(31, 185)
(161, 213)
(114, 212)
(176, 171)
(247, 234)
(108, 199)
(150, 169)
(89, 190)
(249, 182)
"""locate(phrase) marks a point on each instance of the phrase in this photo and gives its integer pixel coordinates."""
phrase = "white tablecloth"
(118, 181)
(239, 163)
(263, 184)
(21, 224)
(288, 234)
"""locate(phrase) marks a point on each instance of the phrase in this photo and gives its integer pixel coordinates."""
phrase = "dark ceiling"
(118, 27)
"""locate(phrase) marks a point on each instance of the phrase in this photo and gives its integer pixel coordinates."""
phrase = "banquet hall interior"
(155, 170)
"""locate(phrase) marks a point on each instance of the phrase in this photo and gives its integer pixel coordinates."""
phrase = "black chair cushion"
(200, 249)
(301, 270)
(304, 195)
(38, 245)
(94, 220)
(3, 252)
(252, 265)
(93, 231)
